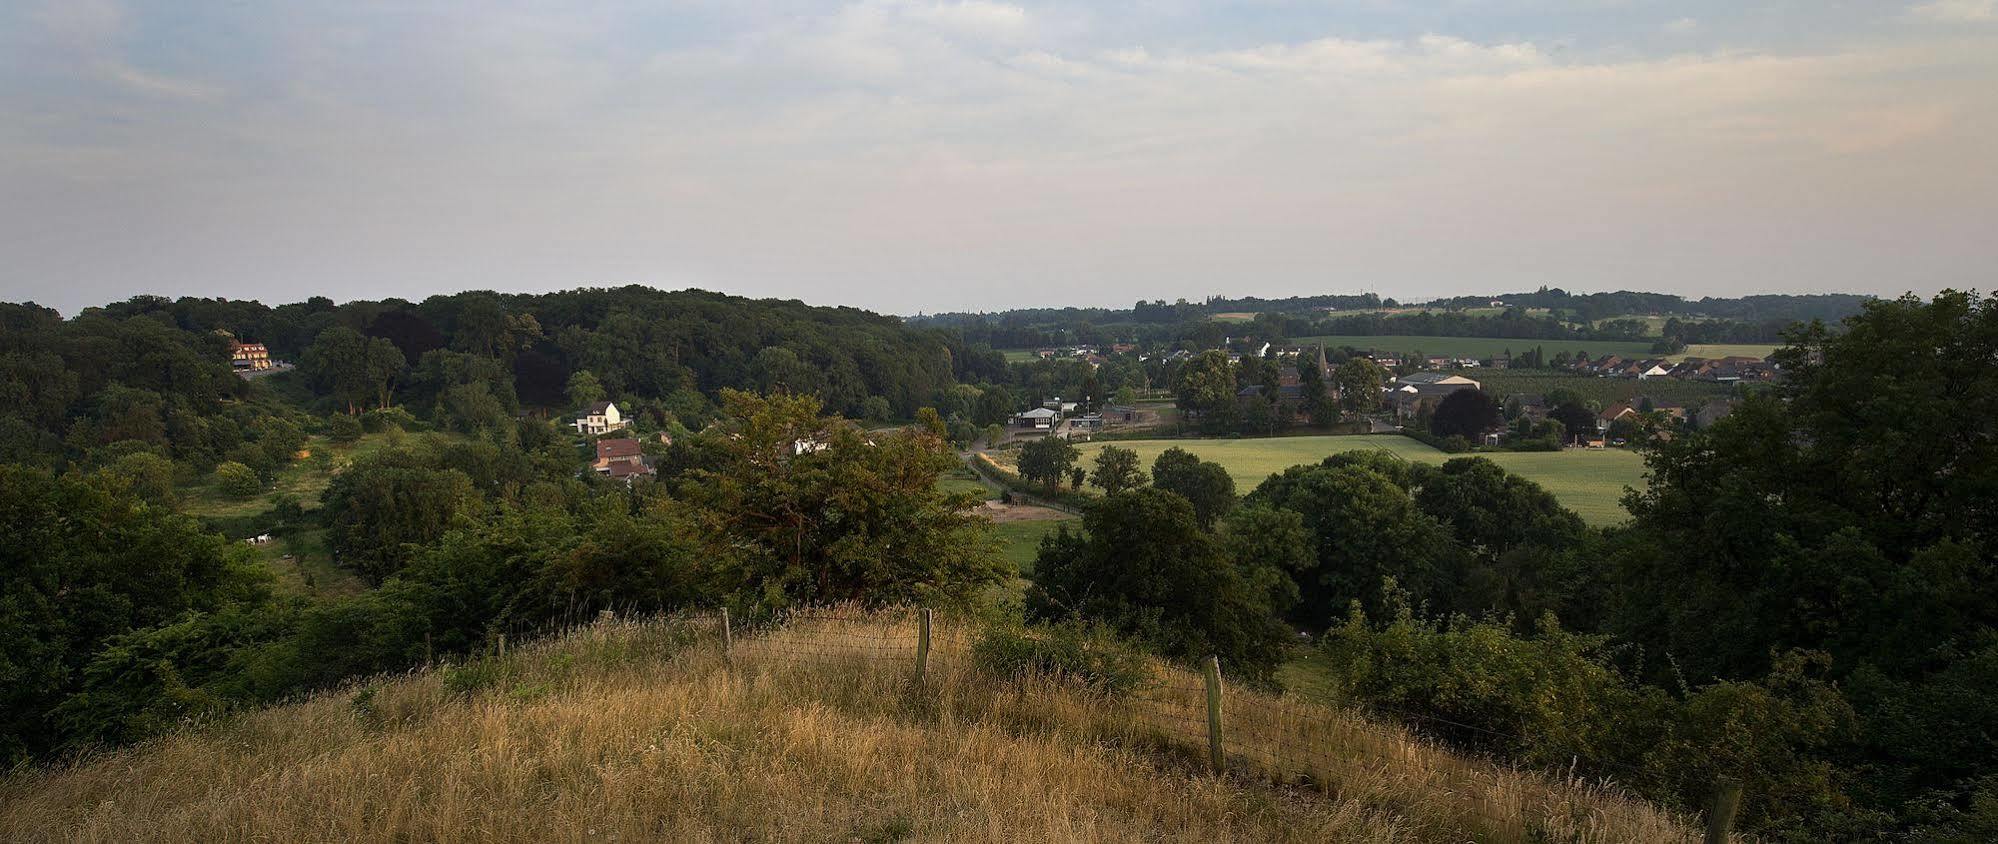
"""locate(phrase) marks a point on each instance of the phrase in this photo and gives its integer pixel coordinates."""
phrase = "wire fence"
(1391, 760)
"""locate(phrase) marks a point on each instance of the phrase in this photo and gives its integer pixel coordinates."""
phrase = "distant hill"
(642, 732)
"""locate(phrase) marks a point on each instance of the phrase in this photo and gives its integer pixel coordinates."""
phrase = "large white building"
(601, 418)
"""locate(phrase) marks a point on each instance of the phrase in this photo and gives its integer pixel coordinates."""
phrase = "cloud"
(1957, 11)
(152, 83)
(975, 18)
(901, 154)
(1682, 26)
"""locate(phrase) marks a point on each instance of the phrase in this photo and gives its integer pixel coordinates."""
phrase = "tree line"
(1803, 600)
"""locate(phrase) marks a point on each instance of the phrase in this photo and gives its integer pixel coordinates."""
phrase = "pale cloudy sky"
(917, 156)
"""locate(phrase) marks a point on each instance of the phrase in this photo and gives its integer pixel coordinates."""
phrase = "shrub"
(238, 480)
(1067, 652)
(343, 428)
(382, 419)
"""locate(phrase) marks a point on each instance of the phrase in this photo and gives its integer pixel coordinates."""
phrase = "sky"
(910, 157)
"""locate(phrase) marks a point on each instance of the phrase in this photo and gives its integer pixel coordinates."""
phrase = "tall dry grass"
(644, 731)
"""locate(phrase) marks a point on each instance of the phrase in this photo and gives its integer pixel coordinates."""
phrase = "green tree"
(995, 406)
(383, 363)
(388, 502)
(1314, 396)
(1046, 460)
(343, 429)
(86, 561)
(850, 520)
(1205, 387)
(1143, 565)
(1577, 421)
(237, 480)
(148, 476)
(1366, 527)
(336, 363)
(1465, 413)
(584, 389)
(1205, 484)
(929, 420)
(1360, 381)
(1117, 470)
(1847, 513)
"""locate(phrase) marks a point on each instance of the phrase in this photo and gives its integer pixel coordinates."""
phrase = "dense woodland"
(1804, 599)
(1546, 314)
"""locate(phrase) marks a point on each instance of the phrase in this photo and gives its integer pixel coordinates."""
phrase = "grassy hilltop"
(641, 732)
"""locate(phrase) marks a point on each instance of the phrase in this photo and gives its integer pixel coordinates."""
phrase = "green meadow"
(1590, 482)
(1477, 347)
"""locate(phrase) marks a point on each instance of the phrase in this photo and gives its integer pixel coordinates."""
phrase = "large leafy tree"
(1046, 460)
(1203, 483)
(86, 560)
(1117, 470)
(819, 513)
(1366, 528)
(1143, 565)
(384, 504)
(1360, 381)
(1853, 513)
(1205, 387)
(1467, 414)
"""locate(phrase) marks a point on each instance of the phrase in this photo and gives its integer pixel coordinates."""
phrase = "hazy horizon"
(910, 157)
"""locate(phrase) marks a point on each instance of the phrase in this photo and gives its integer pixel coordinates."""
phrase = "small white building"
(1040, 417)
(601, 418)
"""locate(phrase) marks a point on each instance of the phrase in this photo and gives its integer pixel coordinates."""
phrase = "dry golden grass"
(641, 731)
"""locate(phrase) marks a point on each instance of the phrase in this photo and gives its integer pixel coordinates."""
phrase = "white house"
(1039, 417)
(602, 418)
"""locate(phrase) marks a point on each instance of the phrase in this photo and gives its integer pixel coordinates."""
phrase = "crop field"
(1601, 391)
(1478, 347)
(1722, 350)
(1590, 482)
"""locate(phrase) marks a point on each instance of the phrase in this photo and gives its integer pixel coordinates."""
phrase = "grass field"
(1020, 355)
(1721, 350)
(1478, 347)
(1588, 482)
(646, 731)
(1019, 542)
(1602, 391)
(301, 479)
(965, 480)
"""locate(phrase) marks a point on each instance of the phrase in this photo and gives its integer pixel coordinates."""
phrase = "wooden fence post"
(426, 649)
(923, 647)
(728, 640)
(502, 646)
(1720, 817)
(1213, 672)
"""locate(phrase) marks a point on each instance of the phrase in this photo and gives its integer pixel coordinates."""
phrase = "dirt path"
(1001, 513)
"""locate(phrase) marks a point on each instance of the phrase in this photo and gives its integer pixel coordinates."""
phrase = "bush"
(343, 428)
(1066, 652)
(382, 419)
(238, 480)
(1554, 699)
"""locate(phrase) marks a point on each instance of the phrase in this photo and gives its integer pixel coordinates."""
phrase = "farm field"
(1589, 482)
(1480, 347)
(1721, 350)
(1600, 391)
